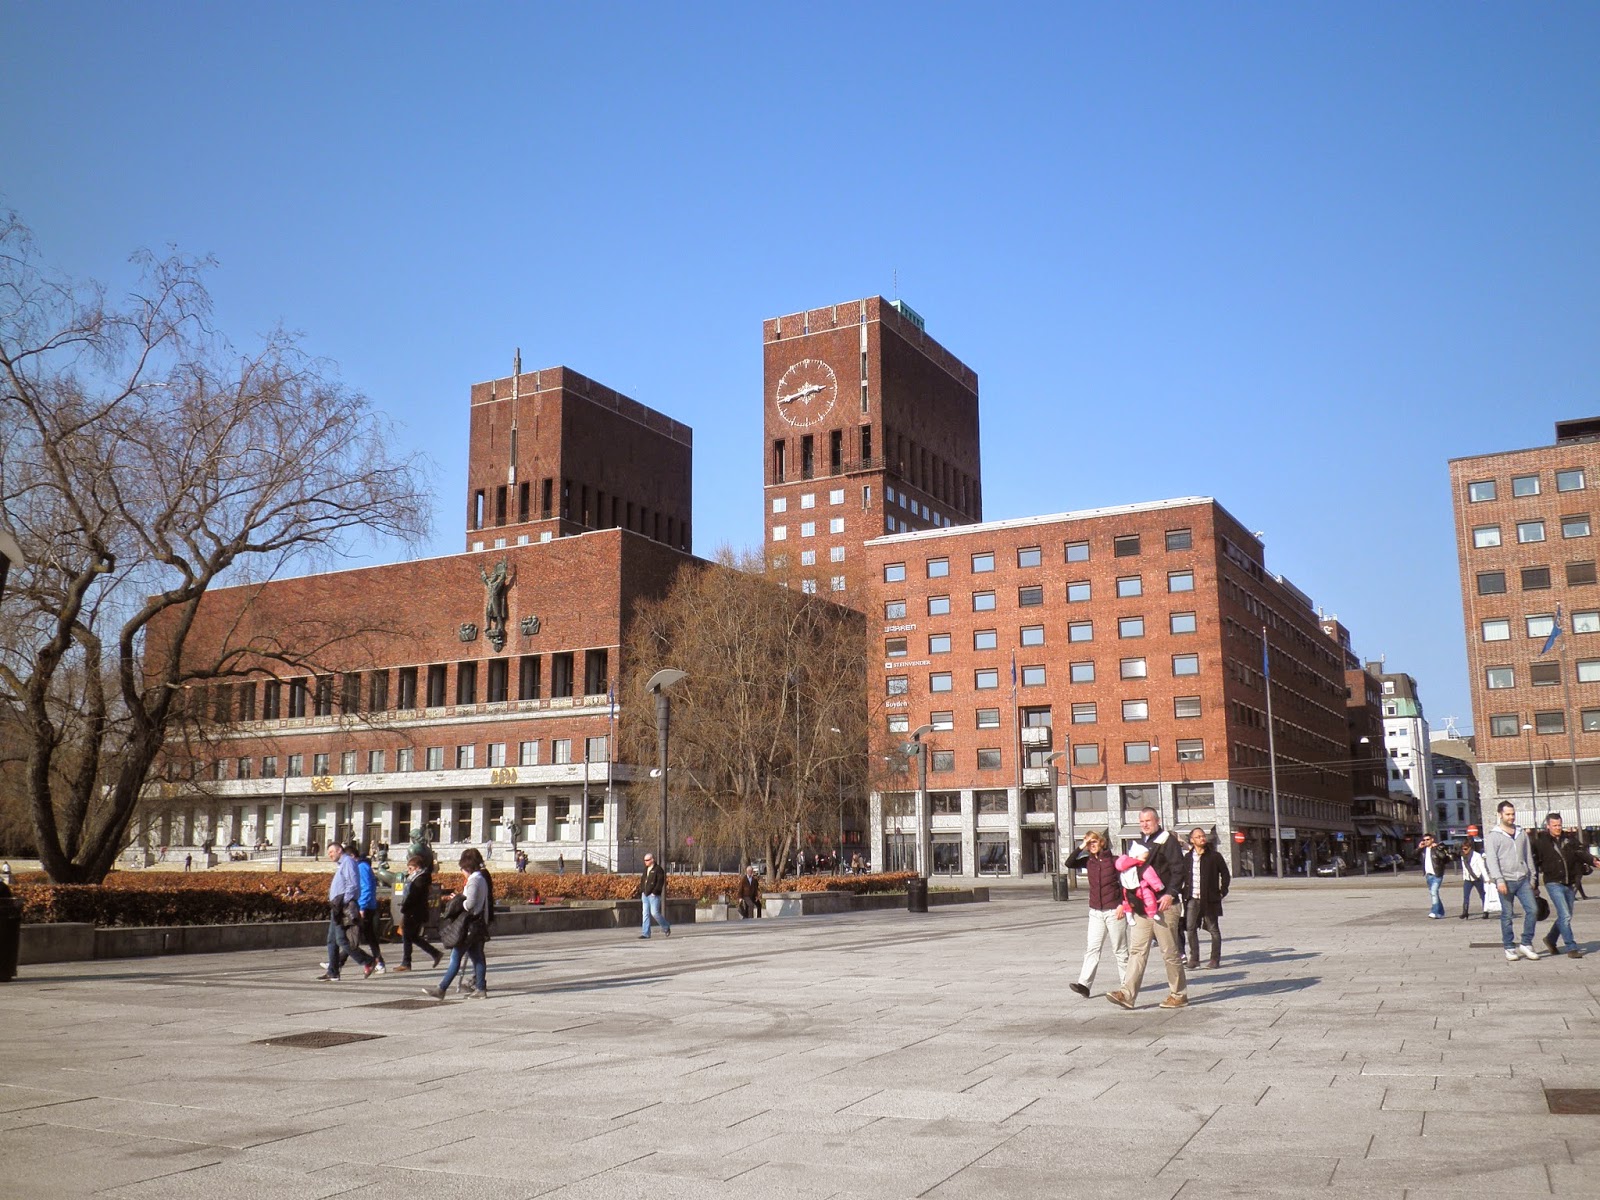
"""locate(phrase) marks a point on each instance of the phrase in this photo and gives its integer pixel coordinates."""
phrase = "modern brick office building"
(1120, 647)
(871, 427)
(1525, 537)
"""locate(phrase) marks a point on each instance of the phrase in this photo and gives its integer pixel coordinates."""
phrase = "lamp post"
(1155, 751)
(658, 686)
(1049, 759)
(1533, 781)
(283, 801)
(838, 850)
(924, 819)
(349, 812)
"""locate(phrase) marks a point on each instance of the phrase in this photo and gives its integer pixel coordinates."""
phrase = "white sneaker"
(1512, 956)
(324, 966)
(1529, 953)
(378, 970)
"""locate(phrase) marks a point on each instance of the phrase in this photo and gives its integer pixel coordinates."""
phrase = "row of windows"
(1505, 725)
(1033, 635)
(1083, 713)
(1123, 546)
(1032, 596)
(1498, 629)
(434, 759)
(1541, 674)
(807, 529)
(808, 500)
(1085, 754)
(1533, 579)
(988, 678)
(1574, 525)
(1569, 480)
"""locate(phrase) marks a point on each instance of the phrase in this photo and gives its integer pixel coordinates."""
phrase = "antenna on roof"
(516, 397)
(897, 283)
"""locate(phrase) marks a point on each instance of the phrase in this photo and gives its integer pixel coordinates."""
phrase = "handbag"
(1542, 907)
(453, 929)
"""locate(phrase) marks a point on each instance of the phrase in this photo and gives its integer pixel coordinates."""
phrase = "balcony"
(1035, 776)
(1036, 735)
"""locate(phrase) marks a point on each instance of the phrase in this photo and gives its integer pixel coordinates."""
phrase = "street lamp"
(1161, 808)
(924, 820)
(1533, 781)
(1065, 752)
(658, 686)
(838, 850)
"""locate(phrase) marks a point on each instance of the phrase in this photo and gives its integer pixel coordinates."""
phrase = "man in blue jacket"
(344, 893)
(367, 897)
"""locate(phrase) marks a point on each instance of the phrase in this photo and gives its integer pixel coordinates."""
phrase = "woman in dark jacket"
(1105, 897)
(414, 910)
(1209, 879)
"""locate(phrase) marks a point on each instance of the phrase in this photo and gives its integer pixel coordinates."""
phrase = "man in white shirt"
(1433, 869)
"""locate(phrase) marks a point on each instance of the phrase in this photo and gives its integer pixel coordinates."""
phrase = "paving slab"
(1347, 1047)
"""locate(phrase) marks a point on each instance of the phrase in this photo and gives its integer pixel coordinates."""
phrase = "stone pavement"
(1348, 1047)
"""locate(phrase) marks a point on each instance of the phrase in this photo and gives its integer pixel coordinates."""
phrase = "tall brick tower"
(871, 428)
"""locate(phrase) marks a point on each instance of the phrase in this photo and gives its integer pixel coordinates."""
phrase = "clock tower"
(871, 428)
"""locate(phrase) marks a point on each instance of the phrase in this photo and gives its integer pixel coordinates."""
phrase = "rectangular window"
(1080, 631)
(988, 718)
(898, 685)
(1549, 722)
(467, 683)
(1570, 481)
(1186, 706)
(1081, 672)
(835, 553)
(941, 681)
(1078, 591)
(1030, 597)
(1085, 754)
(1130, 627)
(1136, 710)
(319, 764)
(561, 674)
(1182, 622)
(1191, 750)
(1530, 531)
(1135, 752)
(1497, 630)
(982, 601)
(1486, 537)
(1580, 573)
(982, 563)
(1500, 677)
(808, 529)
(1491, 583)
(780, 533)
(1586, 622)
(984, 639)
(836, 495)
(1077, 551)
(1524, 485)
(780, 505)
(297, 697)
(595, 749)
(1085, 713)
(1535, 578)
(528, 754)
(1032, 676)
(894, 573)
(894, 647)
(405, 759)
(1483, 490)
(1575, 526)
(1125, 545)
(1186, 664)
(938, 606)
(375, 762)
(1030, 556)
(894, 610)
(347, 763)
(938, 568)
(1180, 581)
(561, 751)
(988, 760)
(466, 757)
(1504, 725)
(938, 643)
(1179, 539)
(269, 766)
(297, 765)
(1588, 670)
(1590, 721)
(942, 760)
(1130, 585)
(1033, 635)
(835, 524)
(1133, 668)
(1538, 627)
(986, 679)
(942, 720)
(496, 690)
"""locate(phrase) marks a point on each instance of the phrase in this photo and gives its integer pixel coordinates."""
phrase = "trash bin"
(10, 933)
(917, 895)
(1058, 887)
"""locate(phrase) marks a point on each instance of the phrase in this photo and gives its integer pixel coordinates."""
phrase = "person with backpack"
(467, 916)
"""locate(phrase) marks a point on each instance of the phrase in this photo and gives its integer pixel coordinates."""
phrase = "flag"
(1266, 663)
(1555, 632)
(1013, 677)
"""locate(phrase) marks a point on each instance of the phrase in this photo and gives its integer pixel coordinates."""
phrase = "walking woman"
(475, 903)
(1105, 897)
(414, 911)
(1473, 873)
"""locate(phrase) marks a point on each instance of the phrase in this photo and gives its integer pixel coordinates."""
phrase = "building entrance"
(1038, 851)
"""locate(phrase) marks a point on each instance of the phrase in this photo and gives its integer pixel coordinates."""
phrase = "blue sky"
(1292, 256)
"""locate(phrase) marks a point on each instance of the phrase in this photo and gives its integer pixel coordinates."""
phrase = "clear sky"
(1294, 256)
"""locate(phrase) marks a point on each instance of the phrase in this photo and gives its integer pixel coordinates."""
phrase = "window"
(836, 496)
(405, 759)
(1180, 581)
(1081, 672)
(1078, 591)
(466, 757)
(942, 720)
(988, 718)
(780, 505)
(809, 500)
(1580, 573)
(375, 762)
(1135, 752)
(1186, 706)
(435, 758)
(1530, 531)
(319, 764)
(835, 524)
(988, 760)
(1575, 526)
(1535, 578)
(1085, 755)
(1179, 539)
(894, 610)
(808, 587)
(1538, 627)
(528, 754)
(894, 573)
(808, 558)
(982, 601)
(1524, 485)
(1130, 627)
(835, 553)
(297, 766)
(1133, 668)
(942, 760)
(269, 766)
(1491, 583)
(1549, 722)
(1125, 545)
(1589, 721)
(1136, 710)
(1586, 622)
(1077, 551)
(1080, 631)
(1504, 725)
(1084, 713)
(938, 568)
(1497, 631)
(1486, 537)
(1484, 489)
(1130, 585)
(1182, 622)
(898, 685)
(1570, 481)
(1030, 556)
(1191, 750)
(985, 679)
(1589, 670)
(1032, 676)
(984, 639)
(780, 533)
(1030, 597)
(894, 647)
(495, 692)
(808, 529)
(938, 606)
(1500, 677)
(1186, 664)
(1033, 635)
(938, 643)
(941, 681)
(982, 563)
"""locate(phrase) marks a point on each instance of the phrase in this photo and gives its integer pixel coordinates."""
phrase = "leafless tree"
(142, 461)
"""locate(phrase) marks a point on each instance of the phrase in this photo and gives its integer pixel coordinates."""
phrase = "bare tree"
(142, 461)
(769, 728)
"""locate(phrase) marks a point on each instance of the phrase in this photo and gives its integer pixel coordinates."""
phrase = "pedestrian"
(414, 911)
(473, 906)
(1106, 923)
(561, 864)
(652, 897)
(188, 863)
(344, 899)
(1433, 862)
(1209, 880)
(1473, 873)
(1509, 858)
(1164, 855)
(367, 897)
(749, 893)
(1561, 861)
(5, 873)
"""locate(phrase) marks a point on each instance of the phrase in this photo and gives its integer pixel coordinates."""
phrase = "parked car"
(1335, 867)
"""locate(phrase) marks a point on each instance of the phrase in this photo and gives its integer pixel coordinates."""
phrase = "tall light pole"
(1272, 755)
(924, 819)
(1533, 781)
(283, 801)
(658, 686)
(1065, 752)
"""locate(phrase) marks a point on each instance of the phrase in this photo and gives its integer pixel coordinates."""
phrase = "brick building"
(1525, 526)
(1118, 647)
(1383, 821)
(871, 427)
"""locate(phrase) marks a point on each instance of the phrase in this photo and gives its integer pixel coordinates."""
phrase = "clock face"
(806, 393)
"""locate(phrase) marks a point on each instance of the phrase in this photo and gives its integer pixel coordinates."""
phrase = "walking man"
(749, 893)
(1165, 857)
(1209, 880)
(1560, 861)
(1509, 857)
(652, 896)
(1433, 868)
(344, 892)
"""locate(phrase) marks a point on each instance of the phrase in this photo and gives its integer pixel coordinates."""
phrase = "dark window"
(406, 688)
(779, 448)
(350, 700)
(596, 675)
(324, 696)
(561, 674)
(866, 443)
(1125, 545)
(498, 672)
(1534, 578)
(467, 683)
(247, 703)
(1030, 597)
(297, 697)
(528, 681)
(378, 692)
(1179, 539)
(500, 506)
(1544, 674)
(1579, 573)
(436, 679)
(988, 760)
(836, 451)
(807, 466)
(522, 501)
(1491, 583)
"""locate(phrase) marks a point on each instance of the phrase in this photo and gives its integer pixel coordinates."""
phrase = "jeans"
(1192, 923)
(1105, 924)
(369, 932)
(1467, 888)
(1435, 905)
(652, 912)
(1520, 890)
(1164, 930)
(480, 968)
(1561, 905)
(340, 948)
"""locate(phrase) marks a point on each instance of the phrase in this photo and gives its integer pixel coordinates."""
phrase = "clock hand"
(811, 389)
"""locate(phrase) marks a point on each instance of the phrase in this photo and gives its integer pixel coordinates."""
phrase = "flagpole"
(1016, 722)
(1272, 755)
(1568, 718)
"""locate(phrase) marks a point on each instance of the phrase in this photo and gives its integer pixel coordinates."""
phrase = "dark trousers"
(1192, 921)
(412, 936)
(749, 908)
(369, 932)
(340, 947)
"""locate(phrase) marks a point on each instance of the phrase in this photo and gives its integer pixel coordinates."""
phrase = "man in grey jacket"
(1510, 861)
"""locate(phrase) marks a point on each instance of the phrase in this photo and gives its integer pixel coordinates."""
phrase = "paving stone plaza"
(1348, 1047)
